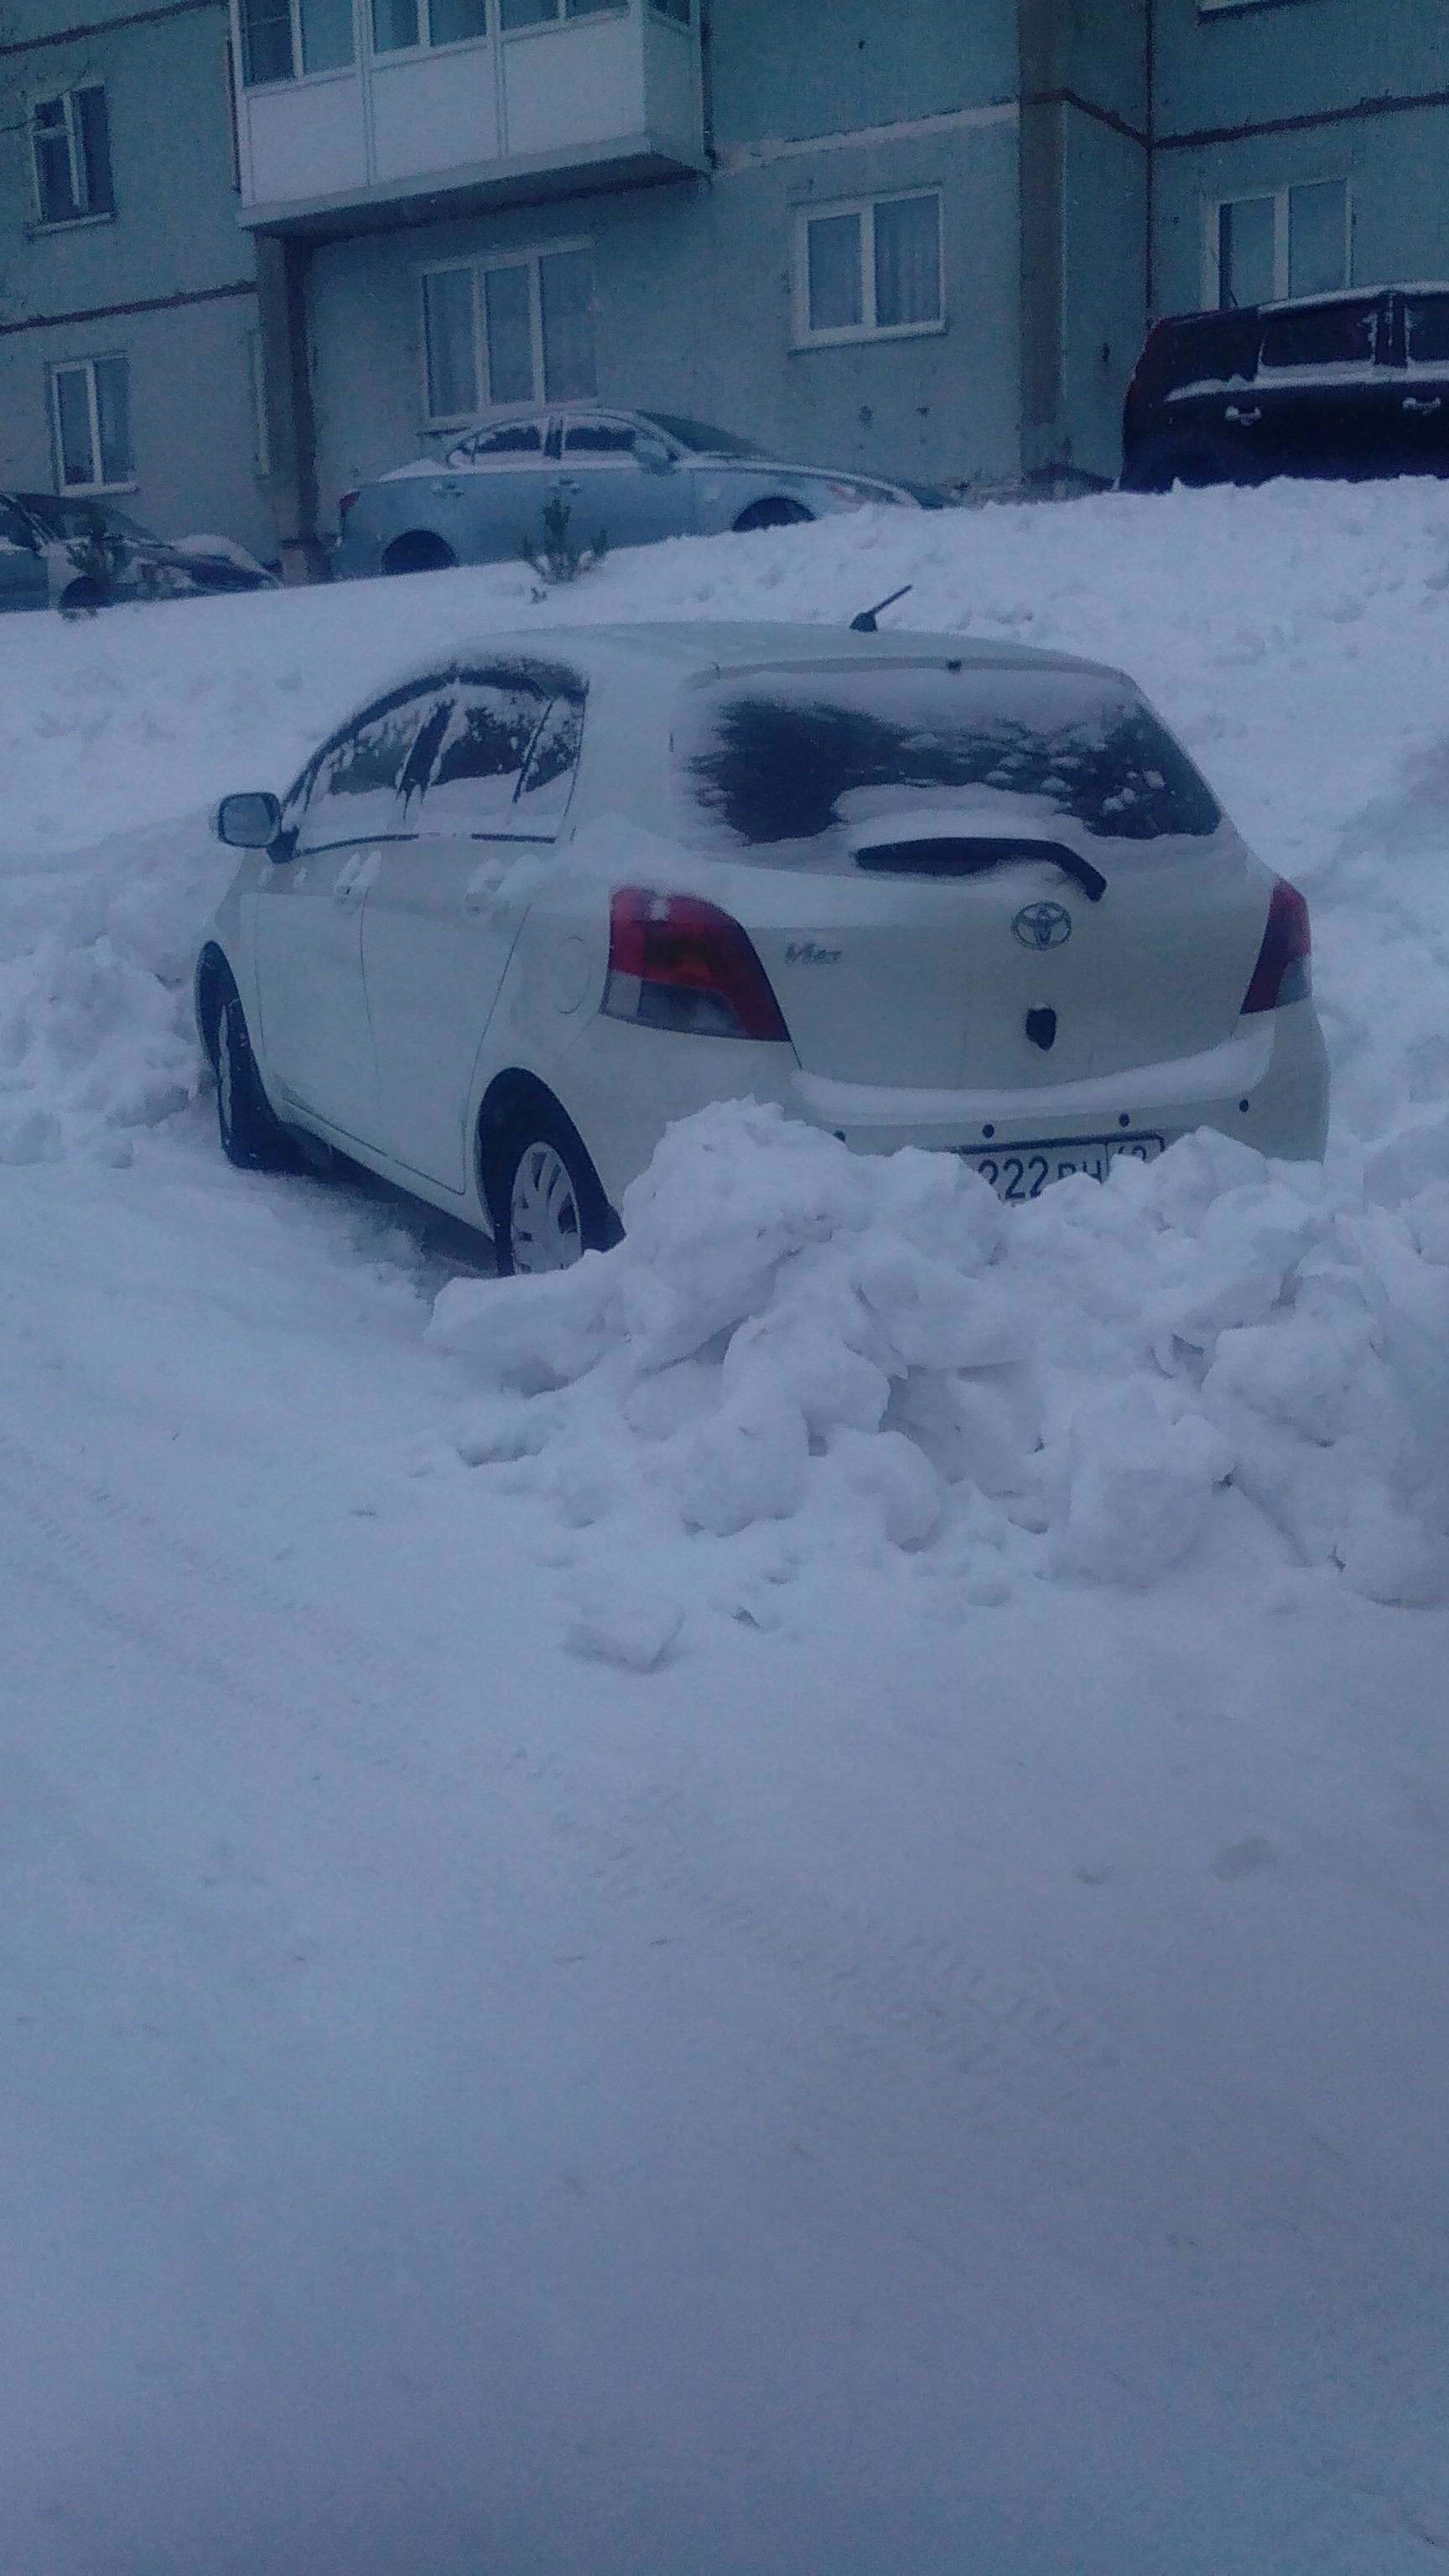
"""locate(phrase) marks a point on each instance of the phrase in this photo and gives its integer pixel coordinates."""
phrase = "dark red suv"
(1350, 385)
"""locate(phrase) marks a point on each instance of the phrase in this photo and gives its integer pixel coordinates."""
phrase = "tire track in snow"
(1116, 2166)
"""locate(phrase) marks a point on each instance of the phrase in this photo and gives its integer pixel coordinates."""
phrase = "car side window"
(1322, 335)
(1426, 330)
(351, 788)
(599, 437)
(510, 438)
(506, 754)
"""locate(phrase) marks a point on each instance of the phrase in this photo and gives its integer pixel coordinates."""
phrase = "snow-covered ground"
(777, 1909)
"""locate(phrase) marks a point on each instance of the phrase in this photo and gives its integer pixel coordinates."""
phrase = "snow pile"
(97, 1038)
(871, 1359)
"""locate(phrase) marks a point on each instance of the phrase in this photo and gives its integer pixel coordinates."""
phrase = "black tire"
(420, 551)
(1165, 461)
(772, 514)
(81, 598)
(546, 1203)
(252, 1135)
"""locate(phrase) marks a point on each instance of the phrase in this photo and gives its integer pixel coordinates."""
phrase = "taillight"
(345, 504)
(678, 963)
(1283, 972)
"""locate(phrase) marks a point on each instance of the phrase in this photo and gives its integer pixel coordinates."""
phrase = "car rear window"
(1426, 330)
(790, 756)
(1321, 335)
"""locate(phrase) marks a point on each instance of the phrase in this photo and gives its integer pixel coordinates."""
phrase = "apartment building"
(256, 252)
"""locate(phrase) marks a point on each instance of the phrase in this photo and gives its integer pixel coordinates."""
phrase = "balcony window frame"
(1214, 209)
(71, 131)
(426, 46)
(87, 366)
(485, 408)
(563, 16)
(298, 77)
(868, 328)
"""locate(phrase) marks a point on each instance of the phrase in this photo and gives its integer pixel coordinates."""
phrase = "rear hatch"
(972, 875)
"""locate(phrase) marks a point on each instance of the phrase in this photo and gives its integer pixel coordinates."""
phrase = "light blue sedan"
(630, 476)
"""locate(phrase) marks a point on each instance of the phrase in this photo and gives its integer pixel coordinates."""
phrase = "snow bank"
(871, 1360)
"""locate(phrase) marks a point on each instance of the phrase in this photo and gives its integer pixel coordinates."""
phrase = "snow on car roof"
(705, 648)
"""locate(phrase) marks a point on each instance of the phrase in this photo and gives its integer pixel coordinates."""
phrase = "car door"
(445, 910)
(348, 807)
(1326, 400)
(1201, 424)
(621, 479)
(1422, 390)
(24, 579)
(491, 489)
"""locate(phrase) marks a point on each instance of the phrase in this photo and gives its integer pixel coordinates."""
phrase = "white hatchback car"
(528, 906)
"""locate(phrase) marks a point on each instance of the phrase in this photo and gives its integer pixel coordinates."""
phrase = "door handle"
(1422, 410)
(1243, 419)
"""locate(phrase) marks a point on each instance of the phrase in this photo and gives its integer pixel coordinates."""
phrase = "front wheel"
(771, 514)
(252, 1136)
(545, 1199)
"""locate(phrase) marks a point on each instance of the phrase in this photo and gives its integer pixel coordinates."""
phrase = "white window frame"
(76, 366)
(79, 178)
(425, 44)
(298, 77)
(527, 259)
(867, 328)
(1212, 234)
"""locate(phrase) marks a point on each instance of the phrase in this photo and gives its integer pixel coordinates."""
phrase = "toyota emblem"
(1043, 925)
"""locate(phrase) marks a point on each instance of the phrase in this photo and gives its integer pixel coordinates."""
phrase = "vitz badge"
(1043, 925)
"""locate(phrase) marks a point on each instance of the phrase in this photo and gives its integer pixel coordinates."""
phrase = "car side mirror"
(653, 455)
(249, 822)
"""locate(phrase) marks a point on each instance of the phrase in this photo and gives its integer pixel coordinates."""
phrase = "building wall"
(173, 249)
(1256, 99)
(694, 280)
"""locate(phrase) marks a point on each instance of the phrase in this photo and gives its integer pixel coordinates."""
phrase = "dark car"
(76, 554)
(1347, 385)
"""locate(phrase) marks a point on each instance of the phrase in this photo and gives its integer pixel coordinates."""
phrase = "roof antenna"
(864, 624)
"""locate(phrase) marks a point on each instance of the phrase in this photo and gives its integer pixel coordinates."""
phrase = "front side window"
(70, 142)
(282, 38)
(1321, 335)
(870, 271)
(504, 749)
(92, 421)
(1286, 241)
(518, 330)
(795, 756)
(351, 788)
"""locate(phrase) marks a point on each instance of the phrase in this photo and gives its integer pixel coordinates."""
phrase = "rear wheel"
(252, 1135)
(419, 551)
(1165, 461)
(81, 598)
(771, 514)
(545, 1199)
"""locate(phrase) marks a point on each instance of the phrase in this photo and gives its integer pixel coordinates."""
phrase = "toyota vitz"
(526, 907)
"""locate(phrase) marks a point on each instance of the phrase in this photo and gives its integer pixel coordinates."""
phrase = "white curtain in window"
(510, 335)
(448, 329)
(833, 243)
(113, 418)
(73, 415)
(566, 289)
(907, 262)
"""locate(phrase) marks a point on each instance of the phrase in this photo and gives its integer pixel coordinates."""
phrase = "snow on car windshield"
(788, 755)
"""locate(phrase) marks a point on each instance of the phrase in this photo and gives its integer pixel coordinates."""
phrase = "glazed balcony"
(347, 115)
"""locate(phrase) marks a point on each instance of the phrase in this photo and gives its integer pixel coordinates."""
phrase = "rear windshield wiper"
(967, 858)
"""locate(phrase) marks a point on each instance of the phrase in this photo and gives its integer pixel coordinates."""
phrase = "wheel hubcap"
(543, 1213)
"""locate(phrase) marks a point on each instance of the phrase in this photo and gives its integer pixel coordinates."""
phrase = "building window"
(505, 331)
(870, 271)
(282, 38)
(1292, 241)
(92, 408)
(544, 13)
(72, 146)
(399, 25)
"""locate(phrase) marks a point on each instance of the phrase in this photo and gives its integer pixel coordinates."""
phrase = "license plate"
(1024, 1171)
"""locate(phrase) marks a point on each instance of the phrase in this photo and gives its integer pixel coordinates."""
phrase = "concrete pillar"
(287, 393)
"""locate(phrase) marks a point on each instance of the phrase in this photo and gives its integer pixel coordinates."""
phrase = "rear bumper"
(623, 1086)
